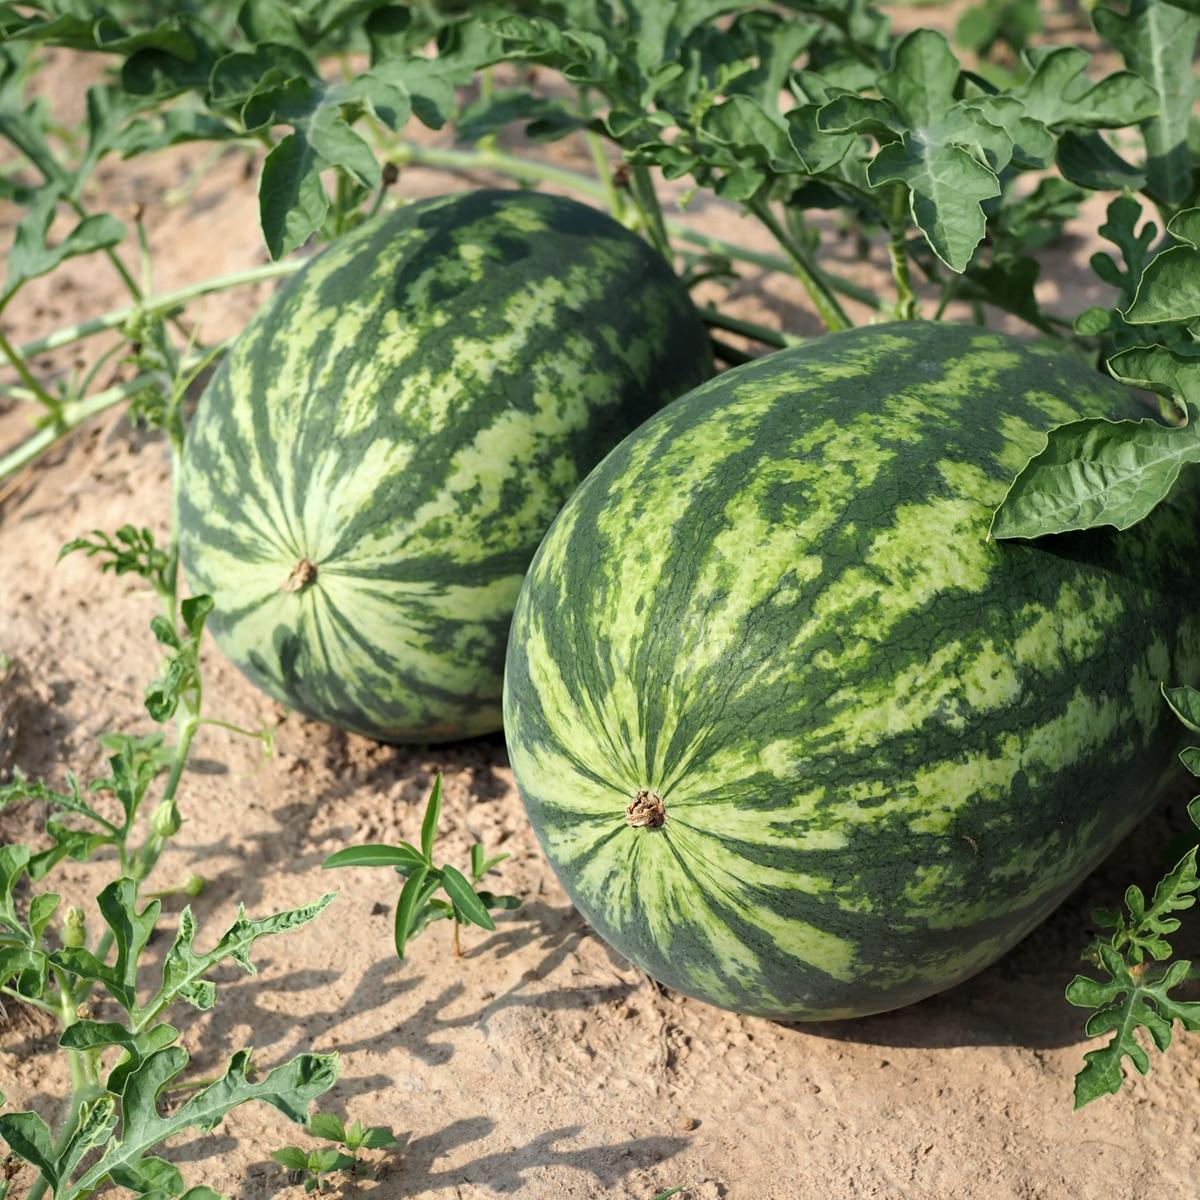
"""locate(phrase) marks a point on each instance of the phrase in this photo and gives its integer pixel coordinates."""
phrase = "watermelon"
(796, 736)
(374, 463)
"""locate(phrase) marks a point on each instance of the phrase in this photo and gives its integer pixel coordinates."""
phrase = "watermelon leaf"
(948, 153)
(289, 1088)
(1169, 289)
(1088, 160)
(32, 254)
(1185, 704)
(292, 201)
(1158, 41)
(1135, 993)
(1095, 472)
(1124, 1003)
(1171, 371)
(150, 1058)
(1058, 93)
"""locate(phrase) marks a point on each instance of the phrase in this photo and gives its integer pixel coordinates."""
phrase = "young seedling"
(1137, 990)
(309, 1166)
(121, 1067)
(465, 903)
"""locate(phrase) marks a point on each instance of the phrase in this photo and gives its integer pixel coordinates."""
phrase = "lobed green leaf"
(1095, 472)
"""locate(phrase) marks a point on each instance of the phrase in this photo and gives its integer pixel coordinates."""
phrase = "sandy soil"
(539, 1065)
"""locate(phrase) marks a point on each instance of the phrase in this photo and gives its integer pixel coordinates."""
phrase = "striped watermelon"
(374, 463)
(797, 737)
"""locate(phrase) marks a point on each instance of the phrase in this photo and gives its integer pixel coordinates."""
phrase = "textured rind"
(409, 413)
(887, 746)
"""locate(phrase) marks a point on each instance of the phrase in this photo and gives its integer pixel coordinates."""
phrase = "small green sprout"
(417, 905)
(310, 1165)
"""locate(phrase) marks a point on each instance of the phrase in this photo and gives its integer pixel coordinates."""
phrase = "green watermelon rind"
(886, 746)
(372, 466)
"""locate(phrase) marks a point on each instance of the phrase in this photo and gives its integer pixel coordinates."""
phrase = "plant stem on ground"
(17, 361)
(730, 354)
(68, 416)
(760, 333)
(165, 300)
(825, 302)
(73, 415)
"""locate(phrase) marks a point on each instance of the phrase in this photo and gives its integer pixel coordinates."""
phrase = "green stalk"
(525, 169)
(730, 354)
(456, 160)
(595, 144)
(377, 203)
(109, 251)
(612, 196)
(13, 994)
(165, 300)
(825, 302)
(188, 721)
(769, 262)
(760, 333)
(147, 284)
(147, 858)
(341, 196)
(240, 729)
(641, 188)
(181, 194)
(82, 1088)
(67, 1018)
(948, 293)
(73, 415)
(17, 361)
(906, 299)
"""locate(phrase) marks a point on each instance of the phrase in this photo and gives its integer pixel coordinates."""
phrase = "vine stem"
(612, 196)
(146, 858)
(825, 302)
(13, 994)
(82, 1088)
(906, 299)
(17, 361)
(760, 333)
(112, 320)
(73, 415)
(641, 188)
(730, 354)
(456, 160)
